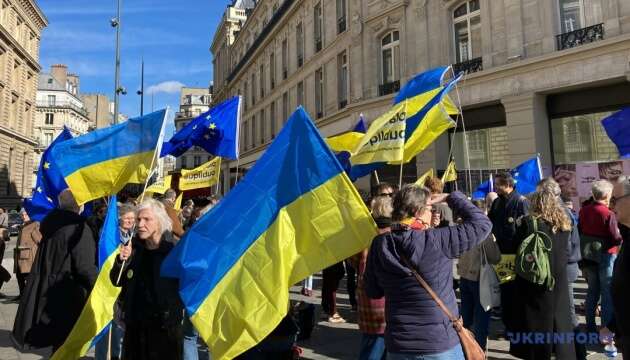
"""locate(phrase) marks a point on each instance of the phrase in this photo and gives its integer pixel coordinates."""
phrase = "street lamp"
(141, 91)
(115, 22)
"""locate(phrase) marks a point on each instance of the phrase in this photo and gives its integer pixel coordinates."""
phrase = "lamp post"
(141, 91)
(117, 88)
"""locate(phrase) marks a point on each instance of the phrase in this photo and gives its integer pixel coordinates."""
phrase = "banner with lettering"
(200, 177)
(385, 139)
(160, 186)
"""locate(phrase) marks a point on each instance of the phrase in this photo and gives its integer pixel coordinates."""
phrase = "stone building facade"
(99, 110)
(59, 105)
(192, 103)
(21, 24)
(540, 74)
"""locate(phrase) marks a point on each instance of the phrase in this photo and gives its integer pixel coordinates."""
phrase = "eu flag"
(49, 183)
(617, 127)
(216, 131)
(527, 175)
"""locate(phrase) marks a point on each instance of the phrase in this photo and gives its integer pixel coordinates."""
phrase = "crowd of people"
(538, 237)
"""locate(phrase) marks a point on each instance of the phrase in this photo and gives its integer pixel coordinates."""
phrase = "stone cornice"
(17, 136)
(34, 13)
(19, 49)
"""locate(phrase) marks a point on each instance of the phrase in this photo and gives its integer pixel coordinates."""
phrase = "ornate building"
(21, 24)
(539, 73)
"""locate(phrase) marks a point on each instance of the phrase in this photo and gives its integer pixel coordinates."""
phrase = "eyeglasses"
(386, 194)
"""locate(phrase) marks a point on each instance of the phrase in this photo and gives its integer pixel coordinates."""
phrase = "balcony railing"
(389, 88)
(580, 37)
(468, 66)
(187, 114)
(62, 105)
(341, 25)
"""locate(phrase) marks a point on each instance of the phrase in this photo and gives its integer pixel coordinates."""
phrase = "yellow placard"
(505, 268)
(422, 179)
(385, 139)
(160, 186)
(200, 177)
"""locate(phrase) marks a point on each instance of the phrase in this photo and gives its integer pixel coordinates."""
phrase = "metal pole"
(142, 90)
(117, 71)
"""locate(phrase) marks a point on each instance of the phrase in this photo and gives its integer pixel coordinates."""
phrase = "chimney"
(59, 72)
(74, 80)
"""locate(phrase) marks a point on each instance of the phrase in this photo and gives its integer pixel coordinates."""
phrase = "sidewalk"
(328, 341)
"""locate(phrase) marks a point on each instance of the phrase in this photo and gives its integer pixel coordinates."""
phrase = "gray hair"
(601, 189)
(409, 200)
(67, 201)
(382, 207)
(159, 212)
(124, 209)
(549, 185)
(170, 194)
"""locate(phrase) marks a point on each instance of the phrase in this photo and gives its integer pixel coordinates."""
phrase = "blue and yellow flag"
(428, 115)
(98, 312)
(343, 144)
(450, 174)
(293, 214)
(102, 162)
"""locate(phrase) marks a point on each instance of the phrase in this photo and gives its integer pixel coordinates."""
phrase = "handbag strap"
(429, 289)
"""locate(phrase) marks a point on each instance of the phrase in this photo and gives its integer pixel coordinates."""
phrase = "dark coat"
(619, 288)
(415, 323)
(539, 310)
(152, 309)
(61, 279)
(503, 214)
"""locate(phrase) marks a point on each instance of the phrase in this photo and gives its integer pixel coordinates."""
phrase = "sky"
(173, 37)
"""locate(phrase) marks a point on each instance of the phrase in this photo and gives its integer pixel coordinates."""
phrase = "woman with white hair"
(599, 223)
(153, 311)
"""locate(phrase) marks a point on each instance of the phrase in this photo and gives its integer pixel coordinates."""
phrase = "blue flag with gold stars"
(216, 131)
(49, 183)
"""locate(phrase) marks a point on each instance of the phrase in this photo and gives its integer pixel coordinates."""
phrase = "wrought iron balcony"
(580, 36)
(468, 66)
(389, 88)
(62, 105)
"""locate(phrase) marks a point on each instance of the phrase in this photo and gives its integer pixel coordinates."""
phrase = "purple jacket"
(415, 324)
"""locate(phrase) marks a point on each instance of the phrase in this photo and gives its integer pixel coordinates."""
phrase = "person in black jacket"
(509, 206)
(62, 276)
(152, 309)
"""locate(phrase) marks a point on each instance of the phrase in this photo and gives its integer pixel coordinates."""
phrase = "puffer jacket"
(415, 324)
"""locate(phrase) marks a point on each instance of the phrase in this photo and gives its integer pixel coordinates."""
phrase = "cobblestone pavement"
(328, 341)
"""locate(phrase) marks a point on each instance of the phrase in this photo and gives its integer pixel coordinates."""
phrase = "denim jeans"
(100, 350)
(191, 352)
(474, 316)
(572, 275)
(456, 353)
(372, 347)
(591, 273)
(605, 279)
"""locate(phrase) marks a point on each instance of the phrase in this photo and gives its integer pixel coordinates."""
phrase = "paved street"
(327, 342)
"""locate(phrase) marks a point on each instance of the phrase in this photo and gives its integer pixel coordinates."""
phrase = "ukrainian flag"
(102, 162)
(293, 214)
(98, 312)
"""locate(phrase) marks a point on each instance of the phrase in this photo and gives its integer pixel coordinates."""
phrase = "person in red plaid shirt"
(372, 311)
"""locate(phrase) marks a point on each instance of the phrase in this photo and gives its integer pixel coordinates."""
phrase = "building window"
(299, 44)
(245, 93)
(52, 100)
(485, 149)
(252, 126)
(342, 79)
(48, 138)
(262, 81)
(184, 163)
(49, 119)
(272, 118)
(253, 89)
(285, 59)
(245, 130)
(341, 16)
(581, 138)
(318, 26)
(467, 29)
(390, 59)
(300, 93)
(319, 93)
(197, 160)
(263, 126)
(571, 15)
(285, 107)
(272, 70)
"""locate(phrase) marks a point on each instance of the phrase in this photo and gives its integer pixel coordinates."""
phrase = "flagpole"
(466, 154)
(378, 182)
(401, 174)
